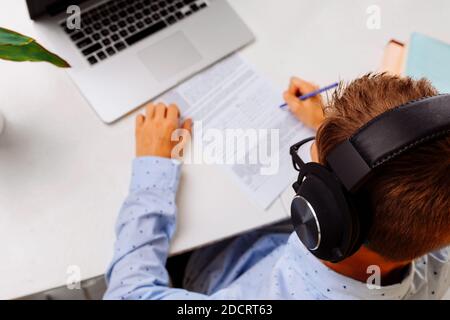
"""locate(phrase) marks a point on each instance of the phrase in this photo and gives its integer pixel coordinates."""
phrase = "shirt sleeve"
(144, 228)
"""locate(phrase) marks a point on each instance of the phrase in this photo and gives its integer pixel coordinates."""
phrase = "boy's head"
(409, 196)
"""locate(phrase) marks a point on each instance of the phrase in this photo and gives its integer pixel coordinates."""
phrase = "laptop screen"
(37, 8)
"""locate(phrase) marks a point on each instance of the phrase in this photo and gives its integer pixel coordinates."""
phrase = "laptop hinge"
(61, 6)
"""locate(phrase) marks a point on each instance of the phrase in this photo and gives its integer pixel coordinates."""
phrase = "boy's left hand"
(154, 130)
(310, 111)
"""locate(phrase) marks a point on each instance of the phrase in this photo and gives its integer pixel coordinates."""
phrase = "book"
(393, 58)
(429, 58)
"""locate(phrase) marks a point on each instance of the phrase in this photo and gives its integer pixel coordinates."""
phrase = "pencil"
(315, 93)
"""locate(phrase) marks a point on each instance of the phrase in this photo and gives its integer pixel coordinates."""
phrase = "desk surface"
(64, 174)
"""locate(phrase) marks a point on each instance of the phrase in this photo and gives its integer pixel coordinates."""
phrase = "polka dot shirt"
(256, 265)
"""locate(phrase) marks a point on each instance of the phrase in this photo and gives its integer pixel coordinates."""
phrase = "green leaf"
(17, 47)
(13, 38)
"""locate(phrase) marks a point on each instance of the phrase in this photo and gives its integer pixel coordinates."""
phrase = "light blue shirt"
(256, 265)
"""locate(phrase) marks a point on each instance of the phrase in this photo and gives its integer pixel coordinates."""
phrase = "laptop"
(126, 53)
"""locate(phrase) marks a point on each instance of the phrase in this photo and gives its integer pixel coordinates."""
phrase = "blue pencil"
(315, 93)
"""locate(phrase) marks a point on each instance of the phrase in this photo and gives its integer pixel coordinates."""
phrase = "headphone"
(328, 212)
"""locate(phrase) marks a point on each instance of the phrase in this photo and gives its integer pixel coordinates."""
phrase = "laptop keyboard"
(117, 24)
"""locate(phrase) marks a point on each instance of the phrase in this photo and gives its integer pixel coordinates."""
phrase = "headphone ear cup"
(321, 216)
(360, 215)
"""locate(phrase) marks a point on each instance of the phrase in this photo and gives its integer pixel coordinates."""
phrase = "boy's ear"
(314, 153)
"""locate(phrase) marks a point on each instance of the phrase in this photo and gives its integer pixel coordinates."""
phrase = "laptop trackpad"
(170, 56)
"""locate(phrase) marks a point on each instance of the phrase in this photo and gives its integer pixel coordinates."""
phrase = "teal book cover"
(429, 58)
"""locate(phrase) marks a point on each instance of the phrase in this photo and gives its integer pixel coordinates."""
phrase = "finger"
(140, 119)
(304, 86)
(289, 95)
(150, 110)
(293, 88)
(187, 134)
(173, 112)
(187, 125)
(160, 111)
(292, 101)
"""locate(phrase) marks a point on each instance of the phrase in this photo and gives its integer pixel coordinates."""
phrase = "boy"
(409, 202)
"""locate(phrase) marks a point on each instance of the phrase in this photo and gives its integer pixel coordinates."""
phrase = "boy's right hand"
(310, 111)
(154, 130)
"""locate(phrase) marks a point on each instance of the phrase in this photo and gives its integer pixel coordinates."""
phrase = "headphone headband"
(387, 136)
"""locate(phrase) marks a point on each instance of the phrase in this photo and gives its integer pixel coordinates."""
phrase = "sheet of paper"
(429, 58)
(231, 99)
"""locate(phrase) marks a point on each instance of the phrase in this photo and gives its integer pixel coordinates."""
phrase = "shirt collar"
(337, 286)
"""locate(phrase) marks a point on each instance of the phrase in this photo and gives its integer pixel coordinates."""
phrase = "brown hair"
(409, 197)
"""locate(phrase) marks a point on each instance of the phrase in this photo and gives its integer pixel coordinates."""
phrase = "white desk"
(64, 174)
